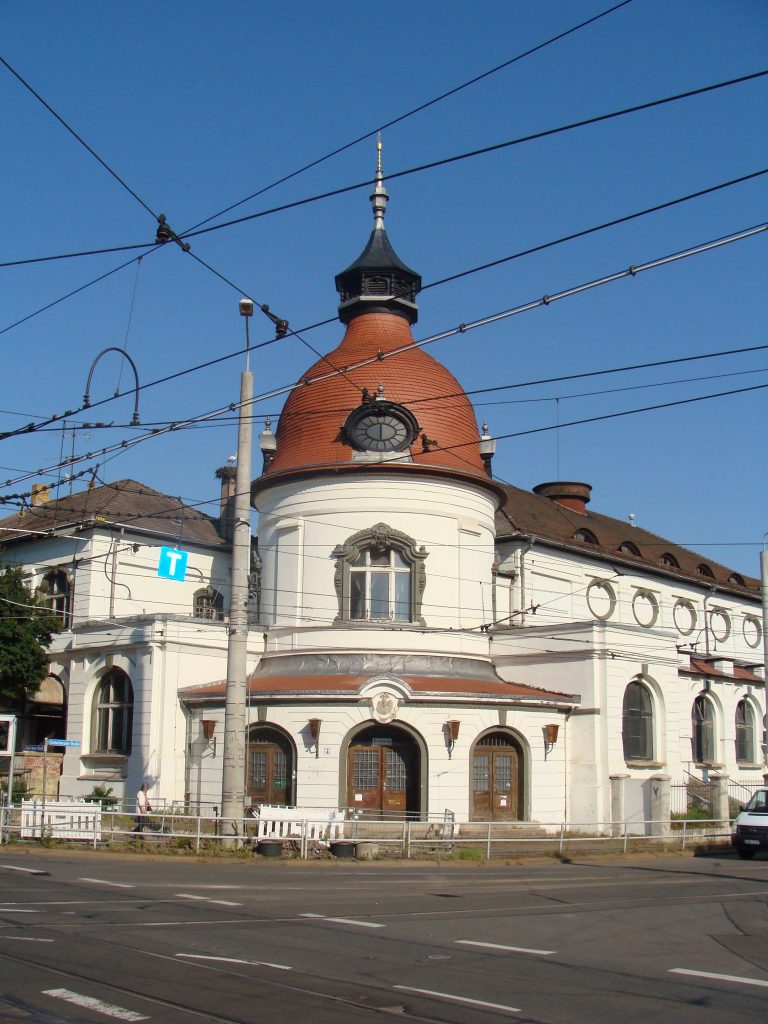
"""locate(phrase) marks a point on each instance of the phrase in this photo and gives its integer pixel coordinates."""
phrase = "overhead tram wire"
(30, 428)
(445, 161)
(341, 149)
(415, 110)
(496, 147)
(546, 300)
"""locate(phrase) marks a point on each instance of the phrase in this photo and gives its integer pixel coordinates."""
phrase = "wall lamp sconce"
(451, 735)
(550, 737)
(314, 732)
(209, 728)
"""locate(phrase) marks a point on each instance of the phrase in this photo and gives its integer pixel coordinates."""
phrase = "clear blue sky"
(197, 105)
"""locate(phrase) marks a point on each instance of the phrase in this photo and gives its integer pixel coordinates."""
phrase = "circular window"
(720, 624)
(601, 599)
(645, 608)
(684, 615)
(753, 631)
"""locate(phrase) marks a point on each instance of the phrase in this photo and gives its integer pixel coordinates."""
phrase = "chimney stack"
(227, 475)
(41, 494)
(567, 493)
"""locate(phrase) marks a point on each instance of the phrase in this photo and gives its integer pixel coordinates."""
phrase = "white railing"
(307, 834)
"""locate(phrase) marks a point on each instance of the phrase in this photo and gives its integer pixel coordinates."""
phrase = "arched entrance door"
(497, 779)
(383, 765)
(270, 767)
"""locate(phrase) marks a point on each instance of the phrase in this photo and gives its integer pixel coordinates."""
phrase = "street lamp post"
(233, 775)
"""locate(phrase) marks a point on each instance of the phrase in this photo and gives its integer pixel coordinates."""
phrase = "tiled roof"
(527, 513)
(309, 432)
(327, 685)
(699, 667)
(125, 502)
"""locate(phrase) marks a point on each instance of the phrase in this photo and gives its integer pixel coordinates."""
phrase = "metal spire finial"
(379, 195)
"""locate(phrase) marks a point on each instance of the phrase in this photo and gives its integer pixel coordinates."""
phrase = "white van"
(750, 829)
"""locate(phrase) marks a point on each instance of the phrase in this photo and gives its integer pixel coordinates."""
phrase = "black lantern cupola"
(378, 281)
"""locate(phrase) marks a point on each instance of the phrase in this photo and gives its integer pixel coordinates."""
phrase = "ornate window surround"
(378, 538)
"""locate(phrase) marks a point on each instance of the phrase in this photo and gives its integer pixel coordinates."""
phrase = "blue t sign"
(172, 564)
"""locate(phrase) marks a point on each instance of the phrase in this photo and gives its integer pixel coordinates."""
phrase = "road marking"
(360, 924)
(17, 910)
(459, 999)
(23, 938)
(312, 915)
(27, 871)
(207, 899)
(94, 1004)
(508, 949)
(233, 960)
(720, 977)
(102, 881)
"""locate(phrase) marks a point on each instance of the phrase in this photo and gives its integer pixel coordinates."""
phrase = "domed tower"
(376, 537)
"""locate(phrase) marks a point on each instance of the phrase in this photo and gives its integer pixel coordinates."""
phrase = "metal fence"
(697, 796)
(365, 839)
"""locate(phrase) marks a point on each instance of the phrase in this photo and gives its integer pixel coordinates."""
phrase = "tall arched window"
(703, 722)
(380, 576)
(745, 732)
(113, 714)
(637, 722)
(55, 591)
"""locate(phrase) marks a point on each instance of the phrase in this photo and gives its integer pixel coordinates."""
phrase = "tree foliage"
(26, 628)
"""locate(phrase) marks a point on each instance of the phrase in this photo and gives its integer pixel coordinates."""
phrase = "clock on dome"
(380, 426)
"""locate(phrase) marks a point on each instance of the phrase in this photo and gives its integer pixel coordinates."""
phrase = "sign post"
(7, 749)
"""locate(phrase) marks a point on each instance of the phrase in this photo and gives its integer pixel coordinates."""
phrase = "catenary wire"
(219, 359)
(546, 300)
(431, 165)
(413, 111)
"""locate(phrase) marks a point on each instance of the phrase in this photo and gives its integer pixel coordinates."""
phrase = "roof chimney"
(41, 494)
(227, 475)
(567, 493)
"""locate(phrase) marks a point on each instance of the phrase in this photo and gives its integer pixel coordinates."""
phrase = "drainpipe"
(707, 599)
(523, 552)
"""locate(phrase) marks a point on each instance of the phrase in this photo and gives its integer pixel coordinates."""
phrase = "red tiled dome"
(309, 433)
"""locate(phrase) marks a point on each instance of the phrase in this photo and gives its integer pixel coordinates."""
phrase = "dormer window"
(585, 536)
(628, 548)
(669, 561)
(738, 580)
(704, 570)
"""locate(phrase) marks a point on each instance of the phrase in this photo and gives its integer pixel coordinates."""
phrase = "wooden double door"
(270, 768)
(497, 779)
(383, 769)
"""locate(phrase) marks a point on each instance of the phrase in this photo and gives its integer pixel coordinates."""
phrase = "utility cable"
(79, 138)
(219, 359)
(414, 110)
(546, 300)
(496, 147)
(445, 161)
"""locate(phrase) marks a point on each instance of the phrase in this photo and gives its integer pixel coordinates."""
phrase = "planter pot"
(342, 848)
(270, 847)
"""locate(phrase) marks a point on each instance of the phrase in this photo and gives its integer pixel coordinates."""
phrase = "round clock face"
(381, 432)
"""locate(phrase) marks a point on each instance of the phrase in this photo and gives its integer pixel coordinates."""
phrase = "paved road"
(93, 937)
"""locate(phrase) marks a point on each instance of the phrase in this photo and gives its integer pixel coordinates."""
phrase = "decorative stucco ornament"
(384, 706)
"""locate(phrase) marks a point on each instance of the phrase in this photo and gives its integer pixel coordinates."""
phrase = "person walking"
(143, 807)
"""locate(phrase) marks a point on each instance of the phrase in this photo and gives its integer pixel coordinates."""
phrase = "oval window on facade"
(645, 608)
(601, 599)
(720, 625)
(753, 631)
(684, 615)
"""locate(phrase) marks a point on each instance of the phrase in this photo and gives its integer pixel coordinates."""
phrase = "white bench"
(312, 823)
